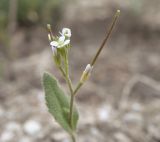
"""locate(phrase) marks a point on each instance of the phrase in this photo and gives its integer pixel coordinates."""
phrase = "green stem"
(73, 138)
(72, 96)
(77, 88)
(70, 87)
(101, 47)
(106, 37)
(66, 62)
(62, 71)
(67, 79)
(72, 104)
(71, 109)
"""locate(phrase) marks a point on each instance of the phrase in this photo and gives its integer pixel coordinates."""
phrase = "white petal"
(66, 32)
(61, 39)
(66, 42)
(54, 43)
(54, 50)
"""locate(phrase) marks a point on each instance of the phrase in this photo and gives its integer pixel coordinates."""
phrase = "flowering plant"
(60, 105)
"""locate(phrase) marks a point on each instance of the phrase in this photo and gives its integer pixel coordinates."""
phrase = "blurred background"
(121, 100)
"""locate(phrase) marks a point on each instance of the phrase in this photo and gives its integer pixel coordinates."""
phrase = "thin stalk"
(101, 46)
(71, 109)
(66, 62)
(72, 96)
(70, 87)
(66, 78)
(50, 31)
(73, 138)
(77, 88)
(62, 71)
(67, 72)
(106, 37)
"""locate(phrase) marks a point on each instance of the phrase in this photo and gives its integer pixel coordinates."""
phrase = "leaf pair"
(58, 103)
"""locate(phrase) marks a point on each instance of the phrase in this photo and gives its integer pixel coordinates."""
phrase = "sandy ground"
(121, 100)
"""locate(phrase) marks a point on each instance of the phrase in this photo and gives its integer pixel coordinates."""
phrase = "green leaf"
(74, 117)
(58, 103)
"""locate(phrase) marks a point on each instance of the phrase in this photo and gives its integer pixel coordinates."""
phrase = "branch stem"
(73, 138)
(77, 88)
(67, 79)
(72, 96)
(101, 46)
(106, 37)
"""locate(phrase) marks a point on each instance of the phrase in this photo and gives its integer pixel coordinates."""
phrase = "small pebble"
(136, 107)
(133, 118)
(6, 136)
(25, 139)
(32, 127)
(154, 131)
(120, 137)
(59, 136)
(13, 126)
(104, 114)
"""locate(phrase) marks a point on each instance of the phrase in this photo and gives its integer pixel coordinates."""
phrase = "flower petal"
(66, 42)
(61, 39)
(54, 43)
(66, 32)
(54, 50)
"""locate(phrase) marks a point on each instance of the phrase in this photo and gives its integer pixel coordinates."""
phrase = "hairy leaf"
(58, 103)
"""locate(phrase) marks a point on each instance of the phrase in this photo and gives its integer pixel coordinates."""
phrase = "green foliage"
(38, 11)
(32, 12)
(58, 103)
(29, 13)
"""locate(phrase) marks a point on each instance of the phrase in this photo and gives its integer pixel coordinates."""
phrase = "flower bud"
(49, 37)
(48, 26)
(86, 73)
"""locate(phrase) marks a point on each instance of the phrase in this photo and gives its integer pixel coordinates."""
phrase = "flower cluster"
(62, 41)
(59, 45)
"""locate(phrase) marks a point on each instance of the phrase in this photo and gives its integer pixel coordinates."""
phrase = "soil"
(121, 100)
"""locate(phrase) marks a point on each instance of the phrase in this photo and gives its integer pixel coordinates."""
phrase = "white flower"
(61, 42)
(66, 32)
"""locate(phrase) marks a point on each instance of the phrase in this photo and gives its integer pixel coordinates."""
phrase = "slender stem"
(72, 103)
(67, 72)
(50, 31)
(70, 88)
(67, 79)
(101, 46)
(72, 96)
(62, 71)
(106, 37)
(73, 138)
(71, 109)
(77, 88)
(66, 62)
